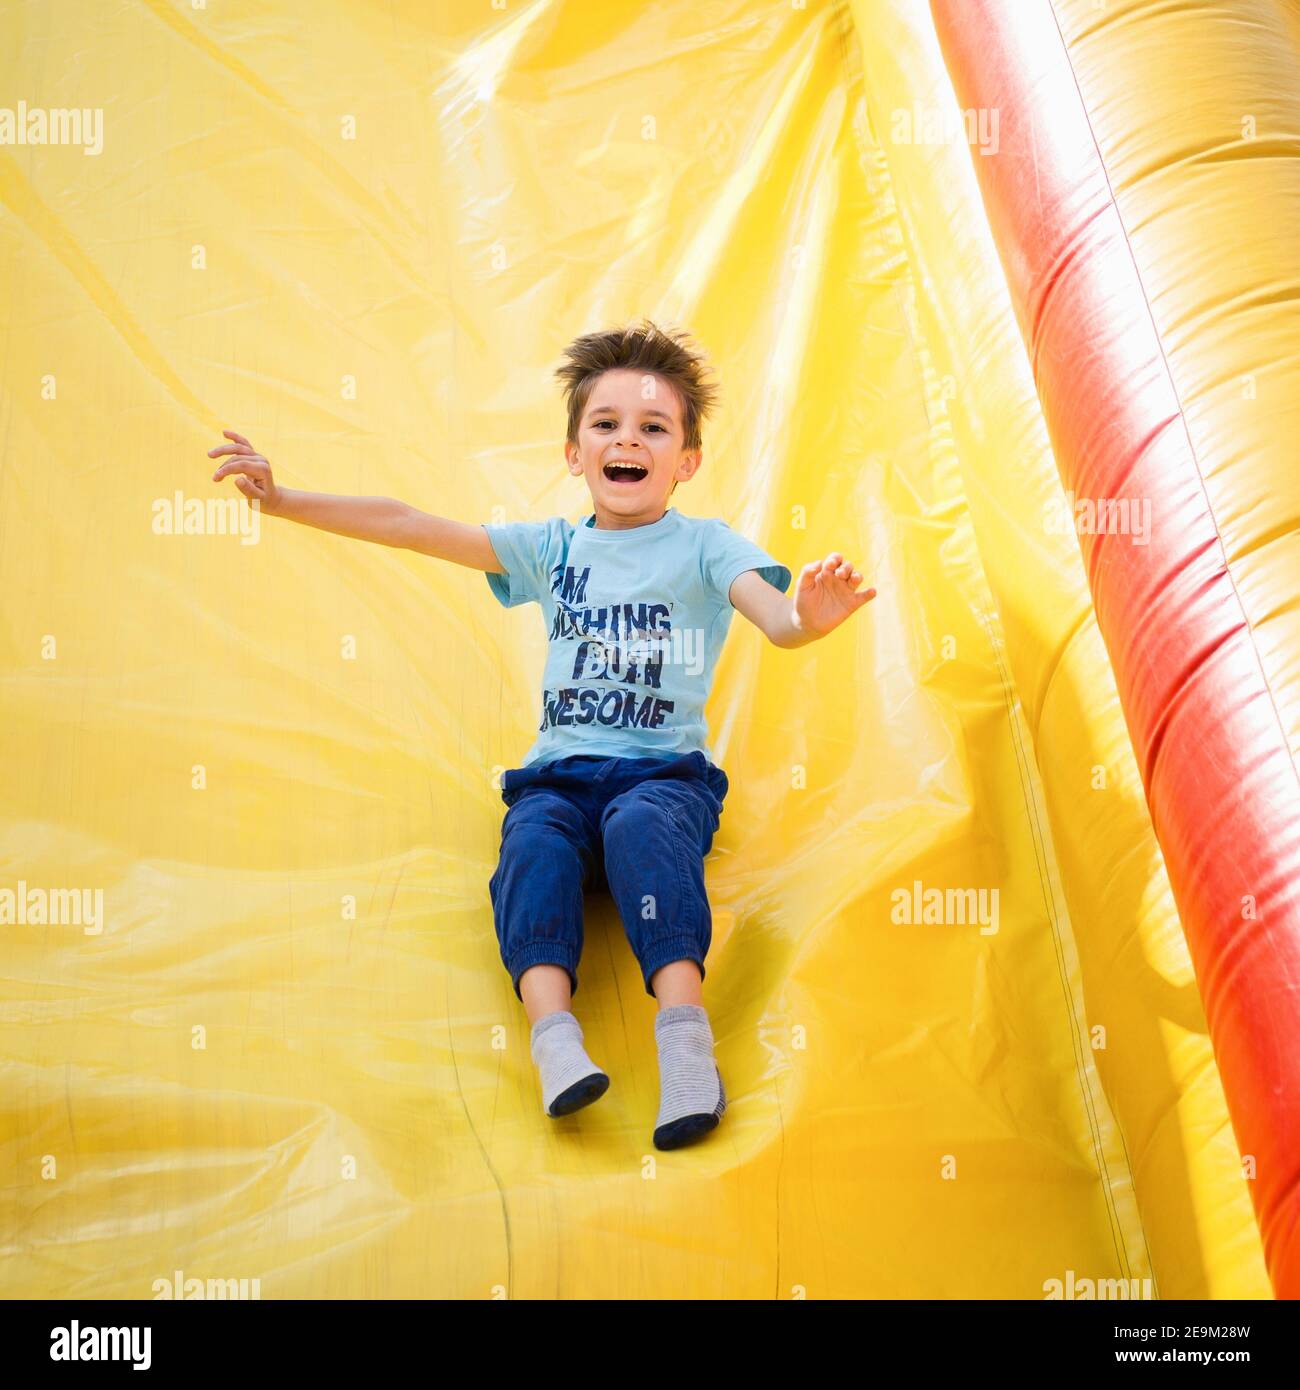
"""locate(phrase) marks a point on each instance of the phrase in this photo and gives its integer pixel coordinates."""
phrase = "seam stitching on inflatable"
(1041, 843)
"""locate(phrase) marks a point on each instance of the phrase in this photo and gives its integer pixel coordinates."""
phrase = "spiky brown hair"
(641, 347)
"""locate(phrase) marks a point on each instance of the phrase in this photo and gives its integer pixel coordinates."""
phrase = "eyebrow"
(613, 410)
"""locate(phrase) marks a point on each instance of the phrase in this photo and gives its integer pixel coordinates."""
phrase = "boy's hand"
(252, 472)
(826, 593)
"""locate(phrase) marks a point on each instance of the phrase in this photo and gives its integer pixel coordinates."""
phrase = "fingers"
(238, 438)
(251, 472)
(241, 448)
(240, 445)
(833, 564)
(833, 567)
(252, 465)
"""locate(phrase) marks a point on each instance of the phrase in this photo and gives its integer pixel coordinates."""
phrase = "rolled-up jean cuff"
(669, 949)
(543, 953)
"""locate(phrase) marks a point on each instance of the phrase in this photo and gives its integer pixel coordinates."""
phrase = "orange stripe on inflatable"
(1220, 779)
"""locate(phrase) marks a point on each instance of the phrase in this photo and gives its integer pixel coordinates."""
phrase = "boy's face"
(631, 418)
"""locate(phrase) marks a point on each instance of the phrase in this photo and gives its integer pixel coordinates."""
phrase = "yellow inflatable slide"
(971, 275)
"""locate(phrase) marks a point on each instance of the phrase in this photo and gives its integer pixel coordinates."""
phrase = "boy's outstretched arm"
(825, 593)
(384, 520)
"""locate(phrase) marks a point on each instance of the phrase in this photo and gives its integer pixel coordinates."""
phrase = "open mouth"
(626, 473)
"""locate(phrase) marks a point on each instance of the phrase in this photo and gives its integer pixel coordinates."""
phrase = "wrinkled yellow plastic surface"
(362, 239)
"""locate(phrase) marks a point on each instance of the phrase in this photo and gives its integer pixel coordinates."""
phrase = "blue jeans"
(640, 827)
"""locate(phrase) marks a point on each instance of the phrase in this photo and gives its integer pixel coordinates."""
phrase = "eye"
(596, 424)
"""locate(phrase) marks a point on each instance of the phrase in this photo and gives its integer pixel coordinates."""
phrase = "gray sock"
(570, 1079)
(691, 1095)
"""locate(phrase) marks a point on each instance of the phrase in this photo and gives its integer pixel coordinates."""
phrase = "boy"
(619, 789)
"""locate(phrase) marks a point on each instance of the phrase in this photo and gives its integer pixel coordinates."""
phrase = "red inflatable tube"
(1219, 777)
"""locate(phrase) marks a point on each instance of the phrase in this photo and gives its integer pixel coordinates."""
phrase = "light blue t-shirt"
(635, 620)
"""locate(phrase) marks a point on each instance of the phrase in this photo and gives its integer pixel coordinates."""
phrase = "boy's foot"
(691, 1094)
(570, 1079)
(579, 1094)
